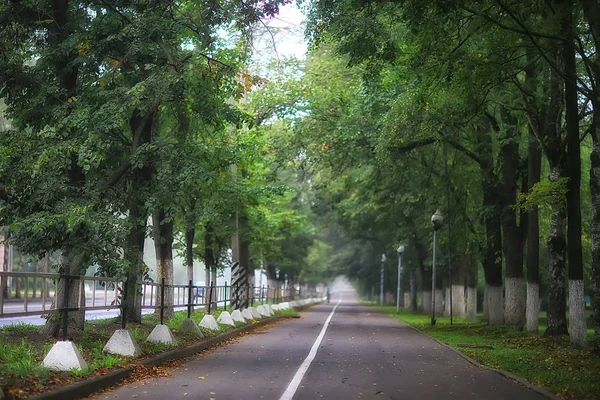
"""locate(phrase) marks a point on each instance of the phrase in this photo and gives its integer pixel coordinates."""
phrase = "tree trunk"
(76, 319)
(190, 234)
(141, 127)
(595, 193)
(17, 280)
(591, 10)
(413, 291)
(512, 242)
(534, 171)
(458, 293)
(492, 264)
(471, 272)
(574, 251)
(245, 265)
(209, 258)
(34, 264)
(163, 246)
(557, 318)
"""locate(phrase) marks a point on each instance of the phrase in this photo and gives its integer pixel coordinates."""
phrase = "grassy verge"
(549, 362)
(23, 347)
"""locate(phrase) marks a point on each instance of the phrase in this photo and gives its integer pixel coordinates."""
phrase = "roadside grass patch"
(22, 360)
(549, 362)
(20, 327)
(290, 312)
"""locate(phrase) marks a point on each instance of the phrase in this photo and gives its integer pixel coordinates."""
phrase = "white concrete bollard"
(237, 316)
(64, 356)
(162, 334)
(269, 309)
(247, 314)
(122, 343)
(209, 322)
(255, 313)
(225, 319)
(191, 328)
(284, 306)
(262, 310)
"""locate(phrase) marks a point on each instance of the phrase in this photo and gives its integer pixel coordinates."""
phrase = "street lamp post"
(383, 258)
(436, 219)
(399, 250)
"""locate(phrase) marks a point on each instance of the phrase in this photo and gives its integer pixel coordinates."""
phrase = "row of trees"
(121, 112)
(486, 110)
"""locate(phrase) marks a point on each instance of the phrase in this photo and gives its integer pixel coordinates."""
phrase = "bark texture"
(471, 304)
(495, 302)
(163, 247)
(557, 306)
(577, 323)
(458, 300)
(533, 307)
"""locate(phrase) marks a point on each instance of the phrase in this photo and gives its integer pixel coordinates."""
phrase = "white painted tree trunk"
(495, 305)
(439, 302)
(407, 301)
(515, 302)
(485, 314)
(532, 313)
(447, 302)
(458, 300)
(426, 299)
(577, 325)
(471, 304)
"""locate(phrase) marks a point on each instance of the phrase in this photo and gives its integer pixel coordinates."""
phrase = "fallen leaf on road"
(202, 377)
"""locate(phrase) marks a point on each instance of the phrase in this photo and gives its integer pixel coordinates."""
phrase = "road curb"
(92, 385)
(476, 363)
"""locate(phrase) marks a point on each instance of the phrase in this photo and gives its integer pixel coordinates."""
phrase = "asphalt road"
(362, 354)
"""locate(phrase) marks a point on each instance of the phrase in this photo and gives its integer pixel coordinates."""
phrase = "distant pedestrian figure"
(328, 295)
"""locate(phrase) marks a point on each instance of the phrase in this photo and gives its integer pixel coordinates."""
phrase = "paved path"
(363, 355)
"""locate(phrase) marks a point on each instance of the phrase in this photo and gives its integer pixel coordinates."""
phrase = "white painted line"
(293, 386)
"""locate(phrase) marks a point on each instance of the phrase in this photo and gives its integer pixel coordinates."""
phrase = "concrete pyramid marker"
(269, 309)
(284, 306)
(209, 322)
(122, 343)
(247, 314)
(225, 319)
(191, 328)
(237, 316)
(255, 313)
(162, 334)
(262, 310)
(64, 356)
(274, 307)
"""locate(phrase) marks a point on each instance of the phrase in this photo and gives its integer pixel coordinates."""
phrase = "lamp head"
(437, 220)
(400, 250)
(383, 258)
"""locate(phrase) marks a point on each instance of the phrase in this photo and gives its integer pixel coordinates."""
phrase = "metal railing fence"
(103, 293)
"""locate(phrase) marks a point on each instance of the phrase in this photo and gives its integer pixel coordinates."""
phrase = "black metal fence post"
(189, 299)
(210, 290)
(123, 304)
(65, 309)
(225, 297)
(162, 300)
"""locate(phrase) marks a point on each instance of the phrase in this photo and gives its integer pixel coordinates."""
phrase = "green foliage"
(545, 193)
(20, 327)
(21, 360)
